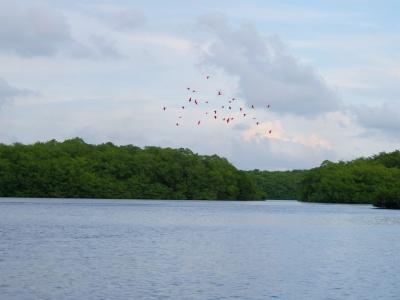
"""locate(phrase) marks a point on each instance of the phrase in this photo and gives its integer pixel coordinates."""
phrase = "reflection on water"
(119, 249)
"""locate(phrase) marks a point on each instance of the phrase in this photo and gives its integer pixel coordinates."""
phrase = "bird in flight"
(212, 107)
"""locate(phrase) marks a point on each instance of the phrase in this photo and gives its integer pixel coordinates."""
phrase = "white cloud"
(9, 93)
(37, 29)
(266, 71)
(383, 119)
(120, 17)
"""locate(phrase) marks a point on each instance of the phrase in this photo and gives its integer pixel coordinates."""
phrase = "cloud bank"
(267, 72)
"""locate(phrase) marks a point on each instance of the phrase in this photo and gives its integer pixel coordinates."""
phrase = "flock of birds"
(225, 109)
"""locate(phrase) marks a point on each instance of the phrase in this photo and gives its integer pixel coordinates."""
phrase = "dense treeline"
(374, 180)
(74, 169)
(279, 185)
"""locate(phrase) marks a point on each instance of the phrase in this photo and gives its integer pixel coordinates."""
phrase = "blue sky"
(102, 70)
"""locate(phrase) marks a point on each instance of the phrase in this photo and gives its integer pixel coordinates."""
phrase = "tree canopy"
(75, 169)
(374, 180)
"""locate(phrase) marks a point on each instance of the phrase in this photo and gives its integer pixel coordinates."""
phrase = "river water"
(134, 249)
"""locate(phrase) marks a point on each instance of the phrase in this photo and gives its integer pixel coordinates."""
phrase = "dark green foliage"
(279, 185)
(74, 169)
(374, 180)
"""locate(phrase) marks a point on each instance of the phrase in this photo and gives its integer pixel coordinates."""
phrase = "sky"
(103, 70)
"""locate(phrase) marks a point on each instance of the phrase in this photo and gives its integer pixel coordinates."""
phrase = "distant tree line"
(75, 169)
(279, 185)
(374, 180)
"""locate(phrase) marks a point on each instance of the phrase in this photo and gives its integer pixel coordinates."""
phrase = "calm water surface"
(131, 249)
